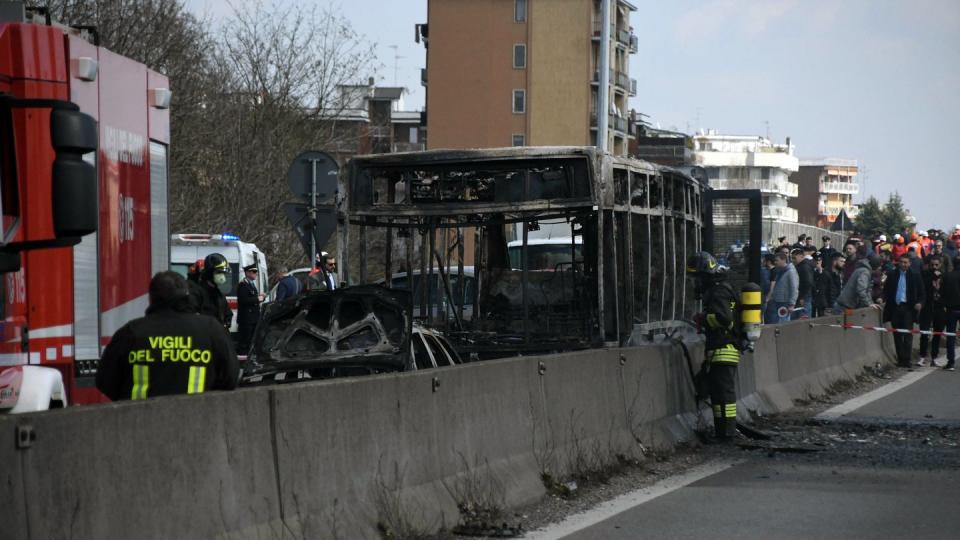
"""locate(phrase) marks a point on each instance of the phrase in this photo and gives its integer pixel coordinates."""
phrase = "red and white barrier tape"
(885, 329)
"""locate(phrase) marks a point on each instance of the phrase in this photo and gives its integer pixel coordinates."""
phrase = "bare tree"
(247, 99)
(280, 71)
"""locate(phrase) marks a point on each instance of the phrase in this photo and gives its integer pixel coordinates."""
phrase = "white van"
(186, 249)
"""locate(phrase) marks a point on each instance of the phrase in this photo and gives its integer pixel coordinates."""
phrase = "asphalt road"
(888, 469)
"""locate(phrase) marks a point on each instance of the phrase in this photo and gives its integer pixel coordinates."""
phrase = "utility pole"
(603, 88)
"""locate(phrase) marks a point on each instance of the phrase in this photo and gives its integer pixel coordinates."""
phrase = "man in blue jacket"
(289, 286)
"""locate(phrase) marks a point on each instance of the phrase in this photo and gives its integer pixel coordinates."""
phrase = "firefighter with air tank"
(730, 326)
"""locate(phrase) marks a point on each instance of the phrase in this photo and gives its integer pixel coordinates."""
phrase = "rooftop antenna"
(396, 61)
(767, 124)
(865, 176)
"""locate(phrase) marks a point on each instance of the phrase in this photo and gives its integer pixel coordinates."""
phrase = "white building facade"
(750, 162)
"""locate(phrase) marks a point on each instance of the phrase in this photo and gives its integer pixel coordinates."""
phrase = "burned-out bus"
(439, 224)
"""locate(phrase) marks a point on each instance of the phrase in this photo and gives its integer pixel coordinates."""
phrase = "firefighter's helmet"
(214, 263)
(702, 263)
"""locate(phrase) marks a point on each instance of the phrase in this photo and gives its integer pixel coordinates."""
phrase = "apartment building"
(524, 72)
(369, 119)
(827, 187)
(750, 162)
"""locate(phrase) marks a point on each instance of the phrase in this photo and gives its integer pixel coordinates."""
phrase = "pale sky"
(873, 80)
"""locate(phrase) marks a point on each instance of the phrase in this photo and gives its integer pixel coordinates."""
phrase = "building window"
(414, 132)
(764, 173)
(519, 101)
(520, 10)
(519, 140)
(519, 56)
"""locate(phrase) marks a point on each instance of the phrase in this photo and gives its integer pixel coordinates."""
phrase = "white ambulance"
(186, 249)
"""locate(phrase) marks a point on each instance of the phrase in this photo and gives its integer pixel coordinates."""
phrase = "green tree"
(870, 219)
(894, 214)
(888, 219)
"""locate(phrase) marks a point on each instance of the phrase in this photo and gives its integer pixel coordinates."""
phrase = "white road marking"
(629, 500)
(849, 406)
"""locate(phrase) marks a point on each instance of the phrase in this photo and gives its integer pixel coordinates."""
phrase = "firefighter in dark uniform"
(248, 307)
(723, 339)
(205, 294)
(169, 351)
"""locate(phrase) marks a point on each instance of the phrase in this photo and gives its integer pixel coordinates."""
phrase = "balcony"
(596, 77)
(778, 160)
(634, 43)
(633, 88)
(622, 81)
(623, 38)
(408, 147)
(616, 123)
(381, 132)
(782, 213)
(846, 188)
(780, 187)
(832, 210)
(423, 76)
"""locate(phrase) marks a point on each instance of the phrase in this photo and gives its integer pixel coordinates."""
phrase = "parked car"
(436, 293)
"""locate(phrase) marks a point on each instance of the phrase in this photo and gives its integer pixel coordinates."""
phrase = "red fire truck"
(62, 303)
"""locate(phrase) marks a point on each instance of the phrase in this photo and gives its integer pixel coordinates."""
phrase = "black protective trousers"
(903, 316)
(936, 317)
(723, 397)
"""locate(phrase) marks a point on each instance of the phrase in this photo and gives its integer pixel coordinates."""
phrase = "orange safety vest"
(917, 248)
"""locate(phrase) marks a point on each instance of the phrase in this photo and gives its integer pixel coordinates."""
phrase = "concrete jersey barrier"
(335, 458)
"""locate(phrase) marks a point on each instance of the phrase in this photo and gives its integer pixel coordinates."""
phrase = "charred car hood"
(364, 327)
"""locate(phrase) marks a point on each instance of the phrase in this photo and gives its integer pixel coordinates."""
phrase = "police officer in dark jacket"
(803, 262)
(722, 339)
(205, 294)
(169, 351)
(950, 295)
(248, 307)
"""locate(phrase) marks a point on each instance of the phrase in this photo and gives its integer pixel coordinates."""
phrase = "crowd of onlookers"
(914, 277)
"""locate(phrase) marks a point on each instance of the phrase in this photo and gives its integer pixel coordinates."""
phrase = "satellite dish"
(301, 174)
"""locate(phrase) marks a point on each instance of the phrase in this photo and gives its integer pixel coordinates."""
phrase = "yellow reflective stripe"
(192, 380)
(141, 381)
(750, 298)
(201, 379)
(195, 382)
(730, 410)
(712, 320)
(716, 411)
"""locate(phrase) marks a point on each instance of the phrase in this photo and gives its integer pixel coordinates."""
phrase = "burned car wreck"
(321, 334)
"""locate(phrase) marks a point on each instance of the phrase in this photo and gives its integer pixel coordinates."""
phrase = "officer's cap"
(251, 268)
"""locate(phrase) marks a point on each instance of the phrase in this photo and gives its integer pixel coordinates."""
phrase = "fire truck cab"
(186, 249)
(84, 134)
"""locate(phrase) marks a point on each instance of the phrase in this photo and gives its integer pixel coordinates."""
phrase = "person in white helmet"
(882, 244)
